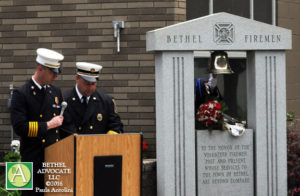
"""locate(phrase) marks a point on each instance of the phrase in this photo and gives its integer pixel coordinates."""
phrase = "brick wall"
(82, 31)
(289, 17)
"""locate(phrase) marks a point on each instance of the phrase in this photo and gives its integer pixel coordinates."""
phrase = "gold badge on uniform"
(56, 100)
(99, 117)
(115, 106)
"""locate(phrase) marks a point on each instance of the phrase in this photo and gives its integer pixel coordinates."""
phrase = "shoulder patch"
(115, 106)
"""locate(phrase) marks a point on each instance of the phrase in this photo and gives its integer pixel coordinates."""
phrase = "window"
(262, 9)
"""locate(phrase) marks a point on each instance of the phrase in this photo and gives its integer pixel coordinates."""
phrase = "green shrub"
(12, 157)
(293, 156)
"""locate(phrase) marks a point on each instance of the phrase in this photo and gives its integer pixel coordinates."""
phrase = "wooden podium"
(74, 157)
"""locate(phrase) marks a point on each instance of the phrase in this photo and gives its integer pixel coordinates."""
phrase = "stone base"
(149, 177)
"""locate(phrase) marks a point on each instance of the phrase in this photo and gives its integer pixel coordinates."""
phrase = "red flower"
(145, 146)
(218, 106)
(209, 113)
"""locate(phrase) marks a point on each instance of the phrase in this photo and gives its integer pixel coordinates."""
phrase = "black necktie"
(43, 91)
(84, 103)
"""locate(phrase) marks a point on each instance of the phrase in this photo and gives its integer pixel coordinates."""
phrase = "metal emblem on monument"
(224, 33)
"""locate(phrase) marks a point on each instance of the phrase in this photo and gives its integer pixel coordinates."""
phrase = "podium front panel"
(126, 145)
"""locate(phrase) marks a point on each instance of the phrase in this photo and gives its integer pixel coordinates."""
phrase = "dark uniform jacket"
(98, 117)
(31, 108)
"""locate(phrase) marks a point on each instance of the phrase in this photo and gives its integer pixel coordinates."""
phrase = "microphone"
(63, 107)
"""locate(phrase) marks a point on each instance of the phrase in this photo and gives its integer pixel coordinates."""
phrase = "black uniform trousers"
(31, 108)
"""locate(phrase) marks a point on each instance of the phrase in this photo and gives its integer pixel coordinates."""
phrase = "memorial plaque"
(225, 163)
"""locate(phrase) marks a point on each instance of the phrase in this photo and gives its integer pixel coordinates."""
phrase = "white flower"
(15, 144)
(211, 106)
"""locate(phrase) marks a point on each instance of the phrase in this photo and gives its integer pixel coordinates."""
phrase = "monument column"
(174, 77)
(266, 115)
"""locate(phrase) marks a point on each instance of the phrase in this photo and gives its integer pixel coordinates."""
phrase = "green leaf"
(290, 116)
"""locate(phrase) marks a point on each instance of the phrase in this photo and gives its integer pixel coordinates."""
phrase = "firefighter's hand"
(55, 122)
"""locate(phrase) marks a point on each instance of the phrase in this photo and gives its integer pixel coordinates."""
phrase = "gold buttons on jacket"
(43, 140)
(54, 114)
(91, 127)
(56, 131)
(41, 115)
(57, 140)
